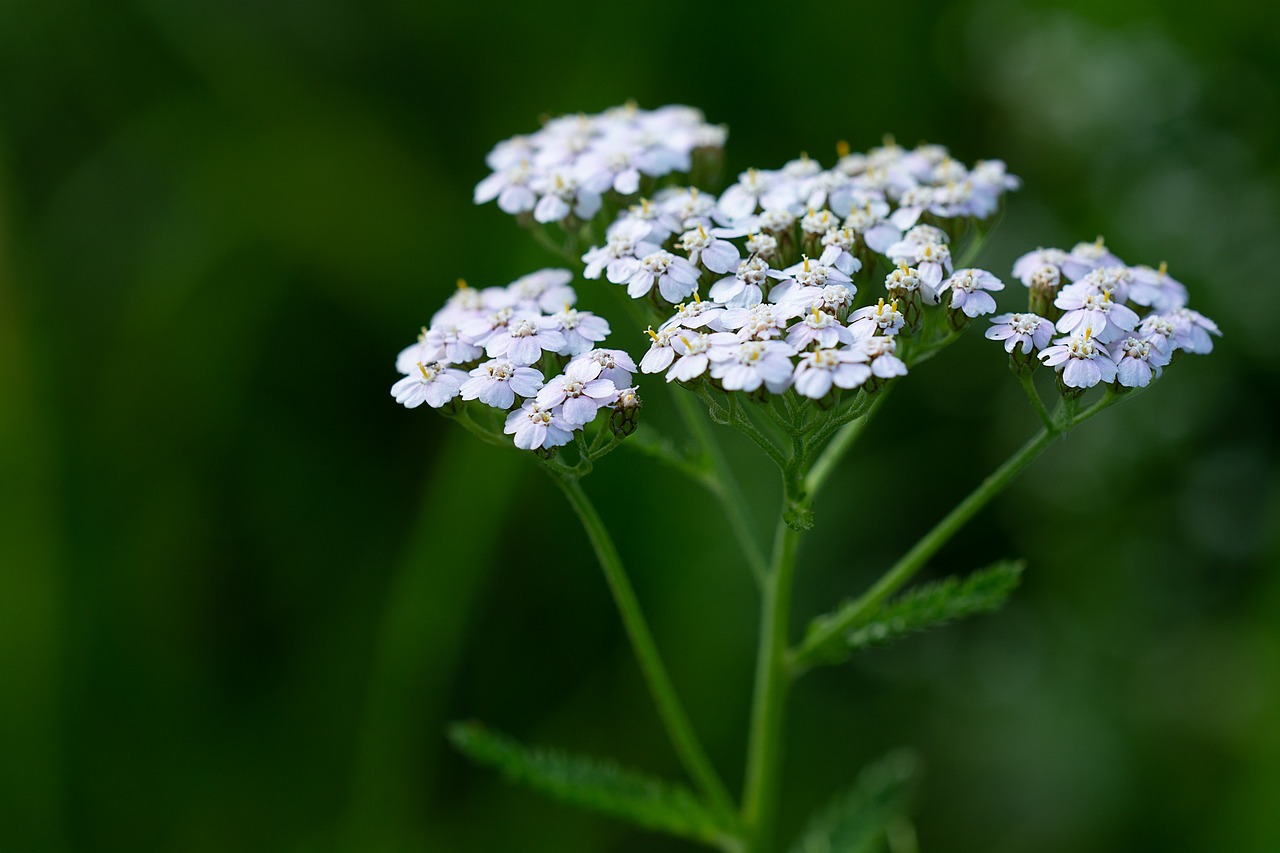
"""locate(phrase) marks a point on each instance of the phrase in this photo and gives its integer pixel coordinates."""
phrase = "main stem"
(673, 715)
(764, 748)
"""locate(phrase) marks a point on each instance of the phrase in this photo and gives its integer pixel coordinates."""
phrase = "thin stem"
(764, 747)
(724, 485)
(747, 427)
(1029, 385)
(674, 718)
(914, 560)
(838, 447)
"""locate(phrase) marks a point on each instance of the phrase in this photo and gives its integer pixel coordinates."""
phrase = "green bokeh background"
(242, 592)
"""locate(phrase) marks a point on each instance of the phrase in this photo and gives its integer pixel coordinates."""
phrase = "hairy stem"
(764, 747)
(674, 718)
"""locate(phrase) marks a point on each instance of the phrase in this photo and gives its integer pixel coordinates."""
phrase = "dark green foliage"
(858, 819)
(598, 785)
(927, 606)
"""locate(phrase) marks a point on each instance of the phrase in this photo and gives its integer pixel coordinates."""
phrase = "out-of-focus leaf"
(857, 820)
(598, 785)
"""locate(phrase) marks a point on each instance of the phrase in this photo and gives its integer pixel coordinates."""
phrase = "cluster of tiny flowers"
(807, 338)
(763, 226)
(565, 168)
(1119, 323)
(497, 345)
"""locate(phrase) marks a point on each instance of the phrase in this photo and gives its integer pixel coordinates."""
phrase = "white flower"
(746, 366)
(1028, 330)
(925, 248)
(693, 349)
(544, 290)
(445, 342)
(904, 281)
(1160, 330)
(776, 221)
(868, 217)
(615, 365)
(1137, 361)
(579, 391)
(1089, 306)
(536, 426)
(1192, 331)
(820, 369)
(759, 322)
(808, 273)
(676, 277)
(562, 195)
(817, 222)
(523, 339)
(612, 166)
(510, 186)
(833, 299)
(878, 319)
(839, 244)
(739, 201)
(969, 291)
(434, 385)
(695, 315)
(1086, 257)
(617, 255)
(1030, 268)
(581, 330)
(496, 383)
(762, 245)
(716, 254)
(1082, 361)
(660, 354)
(485, 327)
(1156, 288)
(686, 208)
(818, 326)
(881, 352)
(744, 289)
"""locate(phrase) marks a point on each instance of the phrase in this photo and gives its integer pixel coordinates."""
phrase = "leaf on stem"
(598, 785)
(927, 606)
(858, 820)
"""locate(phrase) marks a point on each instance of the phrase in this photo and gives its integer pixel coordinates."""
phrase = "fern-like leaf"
(858, 820)
(598, 785)
(926, 606)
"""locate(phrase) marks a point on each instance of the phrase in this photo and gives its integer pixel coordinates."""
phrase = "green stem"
(929, 545)
(674, 718)
(764, 747)
(1029, 385)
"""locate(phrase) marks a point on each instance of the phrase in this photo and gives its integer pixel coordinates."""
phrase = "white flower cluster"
(843, 217)
(499, 343)
(566, 167)
(1120, 324)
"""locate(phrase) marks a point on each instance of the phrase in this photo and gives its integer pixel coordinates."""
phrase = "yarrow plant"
(786, 307)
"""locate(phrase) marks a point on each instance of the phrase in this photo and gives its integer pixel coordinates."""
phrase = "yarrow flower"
(1084, 361)
(565, 168)
(1029, 331)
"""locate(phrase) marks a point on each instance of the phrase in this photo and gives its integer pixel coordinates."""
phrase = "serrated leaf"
(857, 820)
(595, 784)
(926, 606)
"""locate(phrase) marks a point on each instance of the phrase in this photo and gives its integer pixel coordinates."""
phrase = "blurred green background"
(242, 592)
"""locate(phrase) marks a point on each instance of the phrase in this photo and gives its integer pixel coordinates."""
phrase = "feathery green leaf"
(857, 820)
(926, 606)
(598, 785)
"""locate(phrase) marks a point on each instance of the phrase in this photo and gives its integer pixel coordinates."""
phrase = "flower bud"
(626, 413)
(1044, 290)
